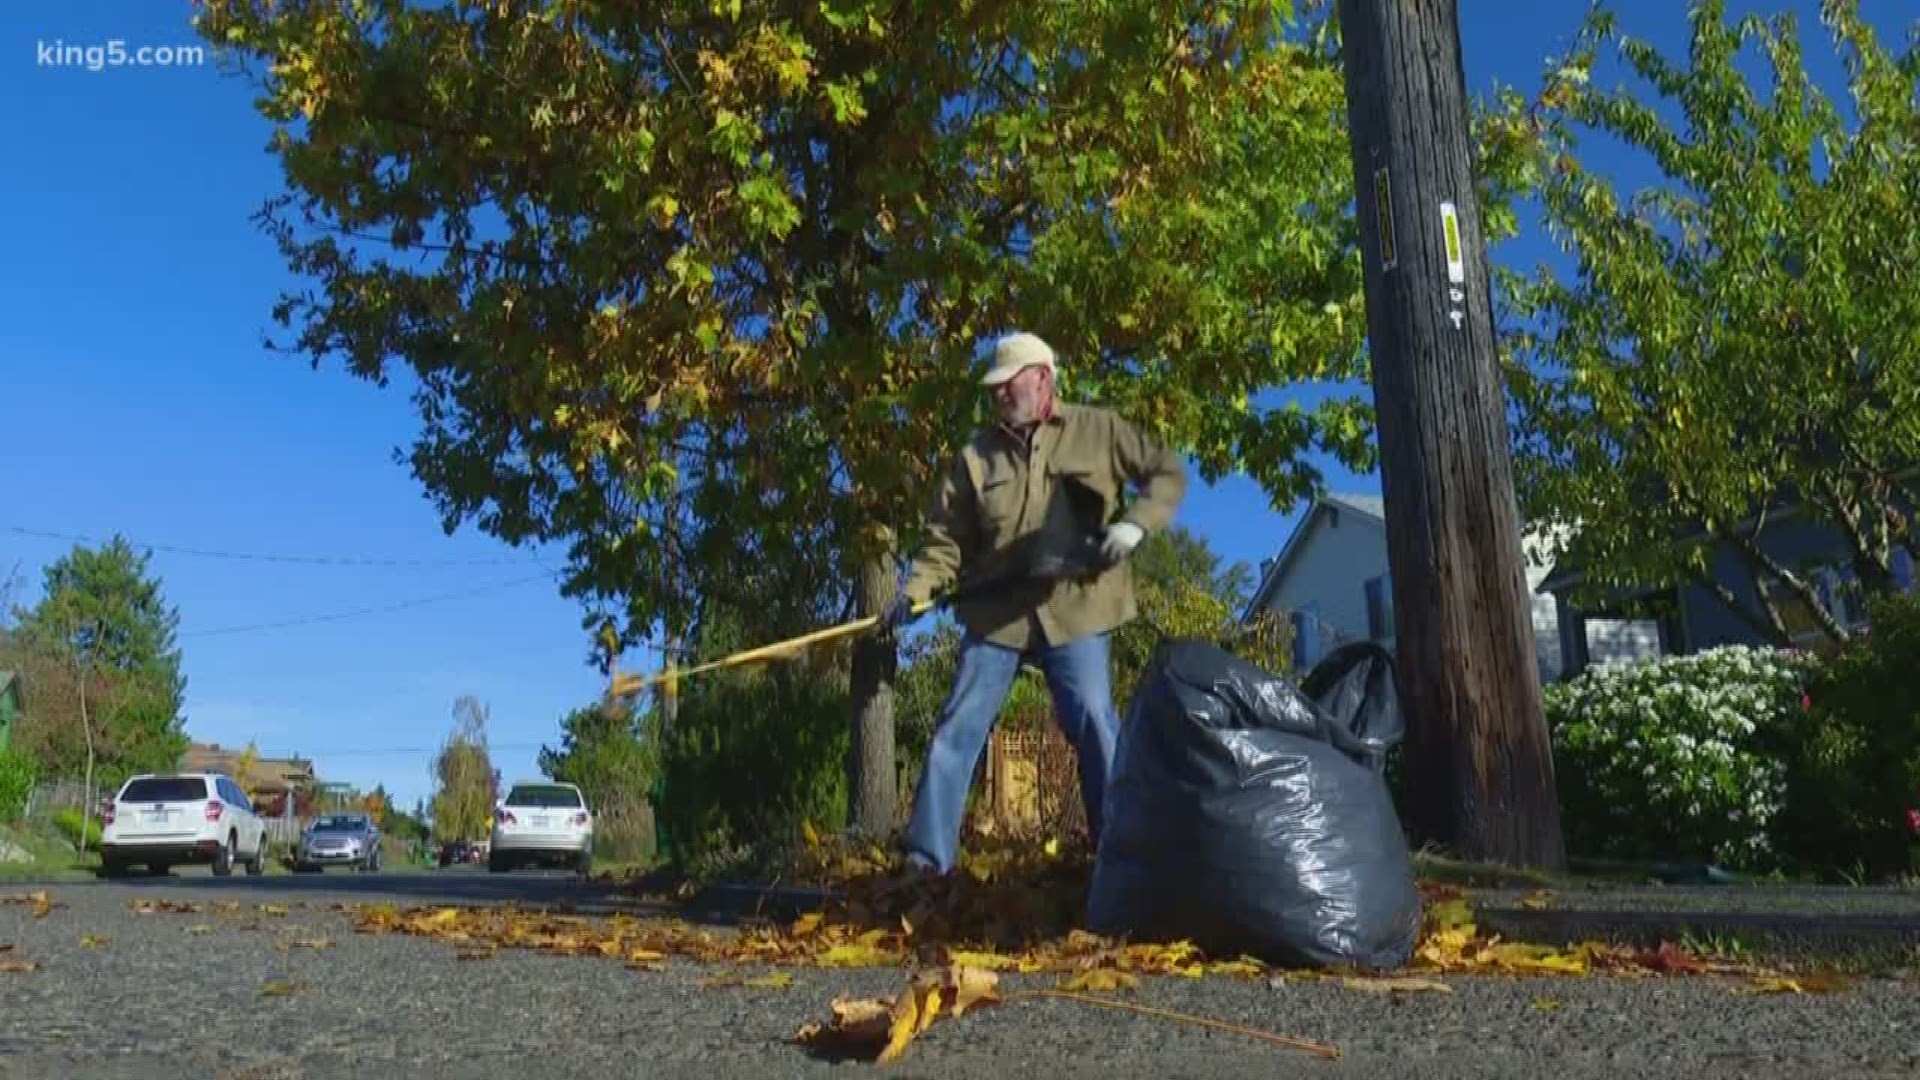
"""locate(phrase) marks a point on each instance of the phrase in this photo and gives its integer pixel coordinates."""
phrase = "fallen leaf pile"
(1451, 942)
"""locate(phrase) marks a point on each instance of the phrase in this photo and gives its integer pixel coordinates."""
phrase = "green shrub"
(751, 756)
(69, 821)
(1668, 759)
(17, 777)
(1853, 754)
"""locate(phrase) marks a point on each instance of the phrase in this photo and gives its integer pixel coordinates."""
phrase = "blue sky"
(138, 400)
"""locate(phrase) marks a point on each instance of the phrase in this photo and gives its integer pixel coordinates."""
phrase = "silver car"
(339, 840)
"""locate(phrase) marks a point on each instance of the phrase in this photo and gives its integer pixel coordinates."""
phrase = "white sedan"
(545, 823)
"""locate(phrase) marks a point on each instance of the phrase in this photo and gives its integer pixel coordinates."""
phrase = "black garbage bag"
(1252, 817)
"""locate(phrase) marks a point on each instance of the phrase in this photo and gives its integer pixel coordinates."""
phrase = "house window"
(1305, 621)
(1839, 591)
(1380, 607)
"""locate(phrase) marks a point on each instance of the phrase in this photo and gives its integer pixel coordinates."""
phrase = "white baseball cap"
(1016, 353)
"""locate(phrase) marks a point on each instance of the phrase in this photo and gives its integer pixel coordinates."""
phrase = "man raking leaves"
(1023, 499)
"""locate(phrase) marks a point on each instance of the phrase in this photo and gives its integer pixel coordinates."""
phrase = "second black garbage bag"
(1251, 815)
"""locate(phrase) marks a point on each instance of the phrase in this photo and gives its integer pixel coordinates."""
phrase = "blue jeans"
(1082, 691)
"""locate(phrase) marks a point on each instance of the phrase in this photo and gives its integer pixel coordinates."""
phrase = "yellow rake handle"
(625, 684)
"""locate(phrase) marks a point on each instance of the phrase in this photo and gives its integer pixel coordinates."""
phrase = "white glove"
(1120, 540)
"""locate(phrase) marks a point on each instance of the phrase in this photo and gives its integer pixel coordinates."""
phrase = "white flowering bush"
(1664, 758)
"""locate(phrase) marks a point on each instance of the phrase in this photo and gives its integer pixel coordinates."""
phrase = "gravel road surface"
(181, 995)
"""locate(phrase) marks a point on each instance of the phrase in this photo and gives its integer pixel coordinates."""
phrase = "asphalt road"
(180, 995)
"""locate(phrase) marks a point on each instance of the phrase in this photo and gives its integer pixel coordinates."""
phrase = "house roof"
(267, 774)
(1536, 544)
(1369, 506)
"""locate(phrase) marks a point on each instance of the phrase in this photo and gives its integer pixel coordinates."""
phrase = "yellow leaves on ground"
(1101, 979)
(274, 910)
(89, 941)
(154, 907)
(881, 1030)
(773, 980)
(41, 903)
(280, 988)
(1803, 984)
(18, 967)
(1538, 900)
(986, 961)
(1401, 985)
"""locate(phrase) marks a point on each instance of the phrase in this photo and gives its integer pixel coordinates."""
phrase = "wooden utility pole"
(1478, 761)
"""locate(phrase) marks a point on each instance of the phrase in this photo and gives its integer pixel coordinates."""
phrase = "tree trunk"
(1479, 763)
(872, 795)
(86, 785)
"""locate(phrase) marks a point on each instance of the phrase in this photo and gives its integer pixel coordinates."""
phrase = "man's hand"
(1119, 541)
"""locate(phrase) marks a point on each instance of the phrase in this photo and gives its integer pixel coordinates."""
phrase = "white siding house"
(1332, 582)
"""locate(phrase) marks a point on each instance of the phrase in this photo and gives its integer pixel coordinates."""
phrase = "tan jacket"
(1000, 490)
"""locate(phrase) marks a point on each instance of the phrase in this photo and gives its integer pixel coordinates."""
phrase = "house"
(1698, 619)
(10, 707)
(269, 782)
(1333, 583)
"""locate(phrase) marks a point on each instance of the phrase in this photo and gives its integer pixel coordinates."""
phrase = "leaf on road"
(1545, 1004)
(274, 910)
(89, 941)
(859, 955)
(1668, 959)
(442, 917)
(200, 929)
(1101, 979)
(1244, 968)
(474, 954)
(776, 980)
(904, 1021)
(881, 1031)
(226, 907)
(1538, 900)
(279, 989)
(972, 987)
(155, 907)
(1798, 984)
(308, 943)
(19, 967)
(807, 924)
(39, 901)
(986, 961)
(860, 1027)
(1401, 985)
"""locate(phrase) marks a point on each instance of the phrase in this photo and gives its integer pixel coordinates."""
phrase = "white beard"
(1023, 410)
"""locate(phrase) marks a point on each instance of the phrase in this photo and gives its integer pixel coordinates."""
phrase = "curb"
(1872, 939)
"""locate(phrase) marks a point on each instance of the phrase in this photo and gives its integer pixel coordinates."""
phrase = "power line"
(401, 606)
(303, 560)
(397, 751)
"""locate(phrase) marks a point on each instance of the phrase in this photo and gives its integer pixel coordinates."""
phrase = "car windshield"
(338, 824)
(165, 789)
(543, 796)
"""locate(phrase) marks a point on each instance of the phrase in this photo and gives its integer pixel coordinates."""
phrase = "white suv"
(545, 822)
(160, 820)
